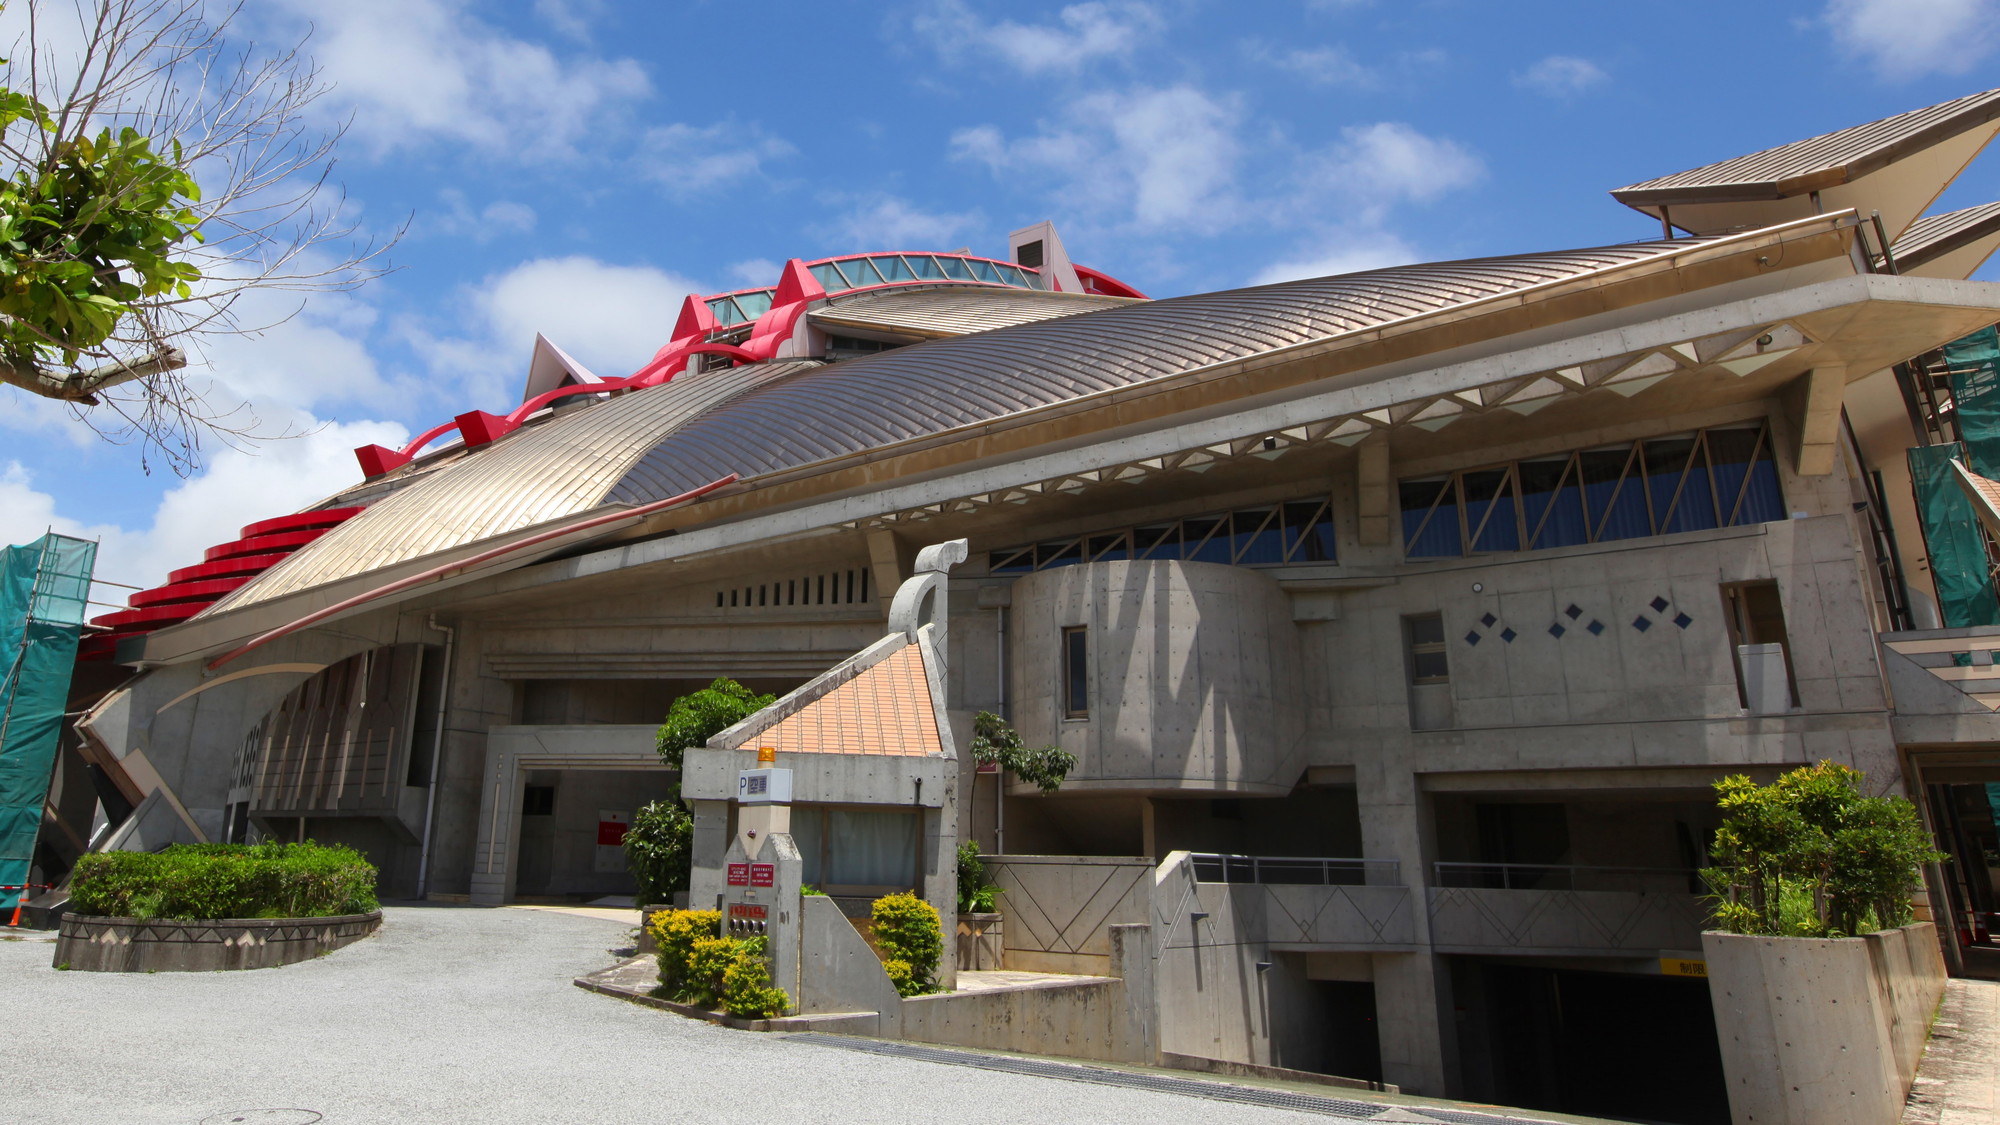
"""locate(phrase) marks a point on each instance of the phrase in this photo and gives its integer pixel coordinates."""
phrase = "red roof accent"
(283, 541)
(300, 521)
(153, 617)
(227, 568)
(207, 591)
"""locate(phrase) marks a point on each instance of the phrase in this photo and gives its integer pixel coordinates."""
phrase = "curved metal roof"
(558, 468)
(1817, 162)
(942, 313)
(767, 418)
(942, 385)
(1934, 236)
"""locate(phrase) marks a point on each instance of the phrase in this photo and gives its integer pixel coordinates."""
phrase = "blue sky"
(576, 166)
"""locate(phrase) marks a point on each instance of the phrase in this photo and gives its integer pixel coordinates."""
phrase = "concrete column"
(711, 838)
(1812, 403)
(1374, 491)
(1408, 988)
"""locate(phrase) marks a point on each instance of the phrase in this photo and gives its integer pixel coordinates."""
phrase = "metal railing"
(1566, 877)
(1307, 871)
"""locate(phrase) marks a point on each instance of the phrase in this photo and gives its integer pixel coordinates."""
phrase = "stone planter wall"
(1822, 1030)
(134, 945)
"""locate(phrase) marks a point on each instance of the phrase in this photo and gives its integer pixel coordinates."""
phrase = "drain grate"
(1156, 1083)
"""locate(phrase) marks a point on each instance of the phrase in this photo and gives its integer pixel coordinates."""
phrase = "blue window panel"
(754, 305)
(1109, 548)
(829, 277)
(725, 311)
(955, 268)
(893, 268)
(1681, 500)
(1063, 553)
(1157, 542)
(926, 267)
(1010, 562)
(1308, 535)
(1617, 506)
(1430, 534)
(1034, 279)
(1256, 538)
(1552, 504)
(1012, 276)
(1489, 498)
(1763, 501)
(860, 272)
(1201, 545)
(983, 270)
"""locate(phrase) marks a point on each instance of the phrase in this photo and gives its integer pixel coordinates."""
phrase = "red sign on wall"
(611, 833)
(739, 875)
(763, 874)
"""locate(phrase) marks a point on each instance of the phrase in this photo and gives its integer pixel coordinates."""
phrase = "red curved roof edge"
(191, 589)
(264, 544)
(797, 288)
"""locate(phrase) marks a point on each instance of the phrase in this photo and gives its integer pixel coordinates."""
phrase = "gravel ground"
(459, 1014)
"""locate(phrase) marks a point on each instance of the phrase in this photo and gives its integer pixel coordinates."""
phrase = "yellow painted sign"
(1681, 967)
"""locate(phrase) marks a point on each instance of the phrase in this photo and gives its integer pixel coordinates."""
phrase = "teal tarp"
(1951, 533)
(1975, 396)
(43, 588)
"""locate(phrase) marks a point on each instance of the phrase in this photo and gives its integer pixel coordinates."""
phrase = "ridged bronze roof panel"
(1936, 235)
(941, 385)
(1835, 158)
(951, 311)
(558, 467)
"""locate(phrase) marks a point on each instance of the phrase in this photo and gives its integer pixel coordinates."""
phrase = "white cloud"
(572, 18)
(1906, 39)
(1331, 65)
(890, 223)
(687, 160)
(1388, 162)
(417, 71)
(500, 217)
(1561, 76)
(1344, 252)
(754, 272)
(611, 318)
(1081, 33)
(1158, 158)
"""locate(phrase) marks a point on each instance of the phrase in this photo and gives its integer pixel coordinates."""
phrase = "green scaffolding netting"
(1975, 396)
(1951, 533)
(43, 587)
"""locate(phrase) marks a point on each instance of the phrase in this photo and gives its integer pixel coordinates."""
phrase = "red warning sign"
(739, 875)
(763, 874)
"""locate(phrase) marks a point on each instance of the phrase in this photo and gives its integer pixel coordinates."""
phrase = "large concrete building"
(1399, 621)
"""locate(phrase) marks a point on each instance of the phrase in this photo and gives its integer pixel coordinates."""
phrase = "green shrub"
(707, 962)
(200, 881)
(899, 975)
(659, 851)
(675, 932)
(995, 742)
(746, 985)
(906, 930)
(975, 894)
(1810, 856)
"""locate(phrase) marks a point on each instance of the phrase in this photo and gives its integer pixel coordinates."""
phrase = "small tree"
(1810, 856)
(995, 742)
(911, 939)
(699, 716)
(659, 851)
(975, 894)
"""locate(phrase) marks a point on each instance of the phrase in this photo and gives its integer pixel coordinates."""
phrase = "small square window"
(1424, 636)
(1076, 672)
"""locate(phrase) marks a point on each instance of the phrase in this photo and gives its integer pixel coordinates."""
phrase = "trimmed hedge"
(911, 940)
(700, 966)
(202, 881)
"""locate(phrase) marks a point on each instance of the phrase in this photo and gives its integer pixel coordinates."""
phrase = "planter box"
(980, 942)
(134, 945)
(1817, 1030)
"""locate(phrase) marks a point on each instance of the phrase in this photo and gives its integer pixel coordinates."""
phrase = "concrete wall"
(1058, 908)
(1818, 1030)
(1194, 675)
(1111, 1020)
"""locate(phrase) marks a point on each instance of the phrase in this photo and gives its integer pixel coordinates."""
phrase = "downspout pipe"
(437, 755)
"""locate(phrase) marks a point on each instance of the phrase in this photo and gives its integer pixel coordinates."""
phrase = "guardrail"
(1565, 877)
(1306, 871)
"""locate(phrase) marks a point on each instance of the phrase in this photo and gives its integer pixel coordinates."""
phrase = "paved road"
(463, 1014)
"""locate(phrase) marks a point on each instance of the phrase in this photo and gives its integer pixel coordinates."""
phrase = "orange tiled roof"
(1990, 489)
(884, 710)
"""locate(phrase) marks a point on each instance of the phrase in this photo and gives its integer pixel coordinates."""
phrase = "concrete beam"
(1813, 403)
(1375, 491)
